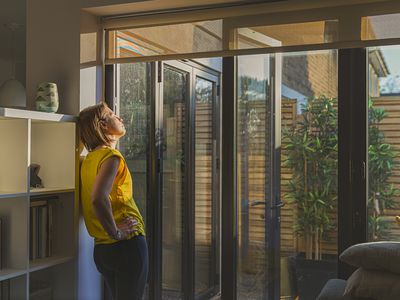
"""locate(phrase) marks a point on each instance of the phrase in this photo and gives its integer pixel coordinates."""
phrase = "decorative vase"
(47, 97)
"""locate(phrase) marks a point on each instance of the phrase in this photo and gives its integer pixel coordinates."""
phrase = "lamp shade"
(12, 94)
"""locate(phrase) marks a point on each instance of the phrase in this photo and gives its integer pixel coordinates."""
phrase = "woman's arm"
(101, 203)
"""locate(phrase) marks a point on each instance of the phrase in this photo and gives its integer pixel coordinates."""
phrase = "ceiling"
(129, 7)
(126, 6)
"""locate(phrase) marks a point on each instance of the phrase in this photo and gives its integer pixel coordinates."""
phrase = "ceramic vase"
(47, 97)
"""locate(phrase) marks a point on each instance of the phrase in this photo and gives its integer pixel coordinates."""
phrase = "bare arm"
(100, 199)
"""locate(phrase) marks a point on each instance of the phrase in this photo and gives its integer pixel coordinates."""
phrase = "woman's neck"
(111, 145)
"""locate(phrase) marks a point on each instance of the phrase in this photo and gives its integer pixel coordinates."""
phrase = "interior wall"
(53, 50)
(5, 70)
(12, 45)
(90, 282)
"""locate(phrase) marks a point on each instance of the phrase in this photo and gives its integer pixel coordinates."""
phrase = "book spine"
(50, 230)
(43, 232)
(33, 231)
(1, 243)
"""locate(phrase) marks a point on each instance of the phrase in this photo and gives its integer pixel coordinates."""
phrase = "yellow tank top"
(121, 199)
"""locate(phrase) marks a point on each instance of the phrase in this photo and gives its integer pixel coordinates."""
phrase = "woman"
(110, 213)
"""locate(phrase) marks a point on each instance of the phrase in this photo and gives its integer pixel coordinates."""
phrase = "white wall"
(90, 282)
(53, 50)
(5, 70)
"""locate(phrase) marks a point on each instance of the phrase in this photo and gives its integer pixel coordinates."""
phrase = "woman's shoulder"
(107, 152)
(104, 152)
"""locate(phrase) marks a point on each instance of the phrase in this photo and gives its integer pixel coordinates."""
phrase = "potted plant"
(311, 148)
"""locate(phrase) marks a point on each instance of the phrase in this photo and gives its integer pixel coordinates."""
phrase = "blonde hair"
(90, 131)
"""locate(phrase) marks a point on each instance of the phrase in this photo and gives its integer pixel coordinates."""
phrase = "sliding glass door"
(189, 182)
(258, 155)
(171, 112)
(286, 166)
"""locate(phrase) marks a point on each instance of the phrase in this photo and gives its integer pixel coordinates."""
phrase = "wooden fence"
(252, 181)
(253, 176)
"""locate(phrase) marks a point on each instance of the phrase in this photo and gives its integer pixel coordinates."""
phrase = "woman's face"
(112, 124)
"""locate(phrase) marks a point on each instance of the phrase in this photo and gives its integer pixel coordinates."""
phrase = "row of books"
(41, 227)
(5, 290)
(38, 290)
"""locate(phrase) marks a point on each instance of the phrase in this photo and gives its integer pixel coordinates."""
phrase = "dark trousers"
(124, 266)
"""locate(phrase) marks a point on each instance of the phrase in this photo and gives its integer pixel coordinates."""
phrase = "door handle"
(257, 202)
(279, 205)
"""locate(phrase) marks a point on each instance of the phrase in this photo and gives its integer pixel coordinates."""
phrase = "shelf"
(49, 141)
(10, 273)
(35, 115)
(44, 263)
(12, 194)
(50, 190)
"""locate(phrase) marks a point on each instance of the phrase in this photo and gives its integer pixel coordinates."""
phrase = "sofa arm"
(333, 290)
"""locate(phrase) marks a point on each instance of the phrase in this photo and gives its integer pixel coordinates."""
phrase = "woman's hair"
(90, 131)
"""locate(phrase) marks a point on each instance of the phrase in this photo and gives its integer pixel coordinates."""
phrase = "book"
(33, 233)
(43, 232)
(50, 239)
(1, 243)
(35, 225)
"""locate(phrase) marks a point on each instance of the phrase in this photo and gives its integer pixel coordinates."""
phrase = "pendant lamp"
(12, 92)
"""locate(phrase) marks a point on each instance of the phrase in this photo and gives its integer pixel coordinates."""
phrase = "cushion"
(333, 290)
(374, 284)
(374, 256)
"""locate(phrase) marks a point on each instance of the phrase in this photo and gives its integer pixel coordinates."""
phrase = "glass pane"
(285, 35)
(384, 144)
(134, 100)
(380, 27)
(252, 164)
(308, 243)
(186, 38)
(204, 255)
(309, 162)
(174, 181)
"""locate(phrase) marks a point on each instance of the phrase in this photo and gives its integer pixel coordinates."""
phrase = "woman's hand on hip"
(127, 226)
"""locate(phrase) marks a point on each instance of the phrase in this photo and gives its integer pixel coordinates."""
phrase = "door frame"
(216, 134)
(187, 284)
(188, 217)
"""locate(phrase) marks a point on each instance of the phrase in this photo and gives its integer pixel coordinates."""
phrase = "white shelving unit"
(49, 140)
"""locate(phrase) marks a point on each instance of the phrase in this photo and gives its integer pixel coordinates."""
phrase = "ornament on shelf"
(35, 180)
(47, 97)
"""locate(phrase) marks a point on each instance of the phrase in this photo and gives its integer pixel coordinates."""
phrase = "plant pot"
(313, 274)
